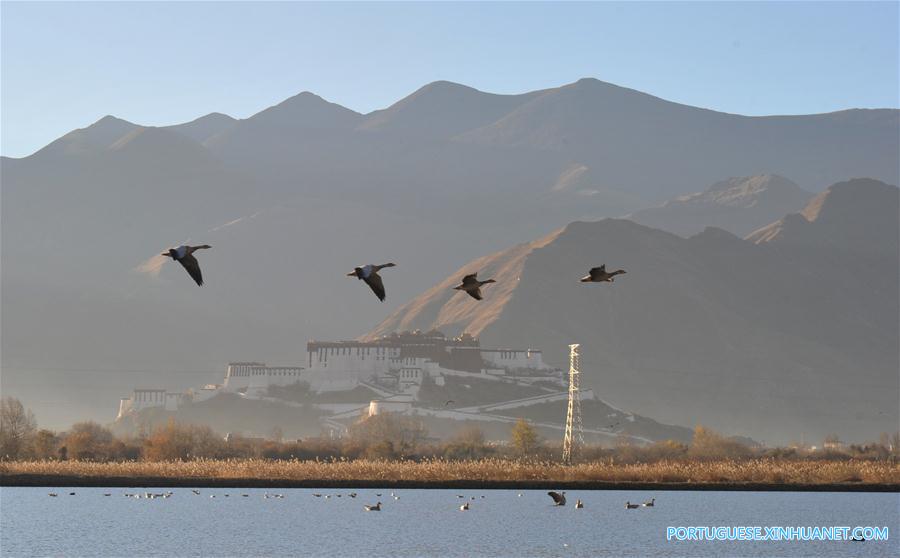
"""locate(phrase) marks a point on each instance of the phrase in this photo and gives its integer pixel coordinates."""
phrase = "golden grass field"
(761, 471)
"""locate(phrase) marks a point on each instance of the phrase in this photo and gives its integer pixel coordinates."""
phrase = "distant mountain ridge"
(739, 205)
(292, 195)
(765, 337)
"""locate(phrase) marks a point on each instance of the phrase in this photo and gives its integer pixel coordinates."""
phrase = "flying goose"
(185, 256)
(369, 274)
(559, 499)
(650, 503)
(376, 507)
(472, 286)
(600, 275)
(630, 506)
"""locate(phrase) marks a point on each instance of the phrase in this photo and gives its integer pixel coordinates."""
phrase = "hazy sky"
(64, 65)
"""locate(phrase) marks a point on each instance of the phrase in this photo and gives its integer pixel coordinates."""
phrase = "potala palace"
(393, 366)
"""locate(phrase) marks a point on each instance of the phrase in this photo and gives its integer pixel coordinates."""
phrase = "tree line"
(383, 436)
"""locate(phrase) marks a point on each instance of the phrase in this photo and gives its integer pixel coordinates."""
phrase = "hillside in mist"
(792, 332)
(739, 205)
(294, 196)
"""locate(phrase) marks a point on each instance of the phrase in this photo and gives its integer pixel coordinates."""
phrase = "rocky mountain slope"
(792, 332)
(738, 205)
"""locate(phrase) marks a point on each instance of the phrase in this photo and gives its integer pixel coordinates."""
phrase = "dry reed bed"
(767, 471)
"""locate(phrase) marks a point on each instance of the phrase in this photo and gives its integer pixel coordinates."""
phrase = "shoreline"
(45, 480)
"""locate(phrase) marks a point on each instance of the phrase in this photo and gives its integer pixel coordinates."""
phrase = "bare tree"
(17, 425)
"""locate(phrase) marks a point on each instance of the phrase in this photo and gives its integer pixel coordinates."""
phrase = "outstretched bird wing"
(193, 268)
(471, 279)
(475, 293)
(557, 497)
(375, 283)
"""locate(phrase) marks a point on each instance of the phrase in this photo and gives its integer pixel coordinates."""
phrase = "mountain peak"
(745, 189)
(306, 110)
(739, 205)
(848, 217)
(860, 195)
(443, 109)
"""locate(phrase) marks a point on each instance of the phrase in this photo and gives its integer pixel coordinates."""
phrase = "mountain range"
(294, 196)
(789, 333)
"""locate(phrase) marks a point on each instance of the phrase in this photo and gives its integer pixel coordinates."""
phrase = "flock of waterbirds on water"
(559, 498)
(470, 284)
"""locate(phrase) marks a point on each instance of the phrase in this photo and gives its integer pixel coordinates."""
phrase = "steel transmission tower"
(574, 431)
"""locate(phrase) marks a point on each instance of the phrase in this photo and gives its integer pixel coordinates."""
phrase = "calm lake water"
(423, 523)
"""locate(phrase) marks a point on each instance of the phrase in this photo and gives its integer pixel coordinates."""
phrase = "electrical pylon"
(574, 430)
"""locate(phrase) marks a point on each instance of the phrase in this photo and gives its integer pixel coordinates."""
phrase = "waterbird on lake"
(369, 274)
(185, 256)
(448, 402)
(52, 494)
(352, 494)
(376, 507)
(245, 495)
(107, 494)
(464, 507)
(317, 495)
(649, 503)
(196, 492)
(71, 494)
(579, 504)
(472, 286)
(600, 275)
(630, 506)
(559, 498)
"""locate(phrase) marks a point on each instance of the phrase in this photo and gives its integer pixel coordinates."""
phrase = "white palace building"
(396, 363)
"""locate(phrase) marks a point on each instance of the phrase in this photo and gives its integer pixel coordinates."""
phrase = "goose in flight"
(559, 498)
(376, 507)
(185, 256)
(600, 275)
(472, 286)
(369, 274)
